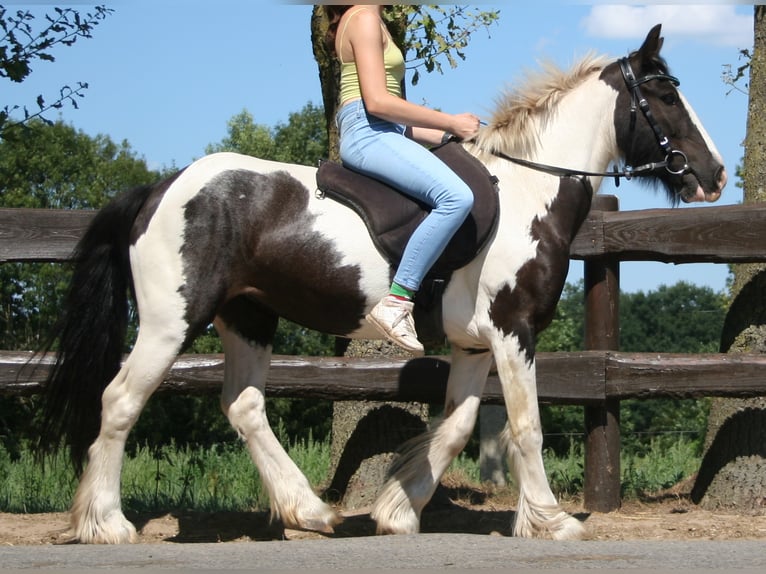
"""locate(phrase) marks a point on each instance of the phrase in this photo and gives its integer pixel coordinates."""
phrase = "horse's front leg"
(539, 514)
(291, 497)
(415, 473)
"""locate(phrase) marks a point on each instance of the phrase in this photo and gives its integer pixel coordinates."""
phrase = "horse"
(238, 242)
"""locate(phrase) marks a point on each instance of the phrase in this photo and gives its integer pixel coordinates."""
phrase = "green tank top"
(393, 61)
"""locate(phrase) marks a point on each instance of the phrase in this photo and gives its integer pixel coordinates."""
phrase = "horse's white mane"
(523, 110)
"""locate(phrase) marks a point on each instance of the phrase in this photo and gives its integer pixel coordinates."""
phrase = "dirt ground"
(670, 516)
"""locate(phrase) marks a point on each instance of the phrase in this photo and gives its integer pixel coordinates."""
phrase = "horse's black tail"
(91, 330)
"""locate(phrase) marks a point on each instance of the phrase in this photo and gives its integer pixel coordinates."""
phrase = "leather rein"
(637, 101)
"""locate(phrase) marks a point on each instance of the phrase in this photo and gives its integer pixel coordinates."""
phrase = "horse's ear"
(650, 49)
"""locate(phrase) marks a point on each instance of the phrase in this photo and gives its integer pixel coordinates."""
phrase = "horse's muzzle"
(693, 190)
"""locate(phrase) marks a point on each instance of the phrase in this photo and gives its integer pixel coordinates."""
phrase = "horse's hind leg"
(538, 514)
(96, 514)
(416, 472)
(247, 363)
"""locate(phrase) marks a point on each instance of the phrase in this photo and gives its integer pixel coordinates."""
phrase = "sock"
(401, 292)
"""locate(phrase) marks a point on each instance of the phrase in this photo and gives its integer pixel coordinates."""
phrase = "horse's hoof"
(569, 529)
(393, 518)
(321, 526)
(561, 526)
(67, 537)
(323, 522)
(114, 530)
(387, 526)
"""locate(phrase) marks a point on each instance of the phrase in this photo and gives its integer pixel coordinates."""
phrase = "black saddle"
(392, 216)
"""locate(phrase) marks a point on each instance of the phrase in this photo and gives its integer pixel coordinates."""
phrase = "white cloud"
(720, 25)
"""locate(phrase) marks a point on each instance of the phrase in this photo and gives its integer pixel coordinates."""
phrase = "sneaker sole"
(416, 350)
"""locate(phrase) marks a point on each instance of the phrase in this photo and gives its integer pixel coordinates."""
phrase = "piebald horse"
(239, 241)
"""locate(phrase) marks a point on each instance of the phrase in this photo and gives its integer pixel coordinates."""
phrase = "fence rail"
(598, 378)
(726, 234)
(579, 378)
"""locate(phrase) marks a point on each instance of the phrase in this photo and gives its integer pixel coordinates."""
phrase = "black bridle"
(637, 101)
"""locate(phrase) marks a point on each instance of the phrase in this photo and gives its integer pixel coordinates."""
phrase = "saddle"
(391, 218)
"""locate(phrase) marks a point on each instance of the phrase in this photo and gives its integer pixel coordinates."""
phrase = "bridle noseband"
(637, 101)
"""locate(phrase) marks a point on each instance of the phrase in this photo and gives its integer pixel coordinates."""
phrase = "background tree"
(681, 318)
(733, 472)
(53, 166)
(302, 140)
(50, 165)
(23, 43)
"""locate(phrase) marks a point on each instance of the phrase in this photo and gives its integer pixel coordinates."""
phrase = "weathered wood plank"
(589, 377)
(723, 234)
(41, 235)
(565, 377)
(653, 375)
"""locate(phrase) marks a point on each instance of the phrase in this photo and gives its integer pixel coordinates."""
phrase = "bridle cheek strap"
(637, 101)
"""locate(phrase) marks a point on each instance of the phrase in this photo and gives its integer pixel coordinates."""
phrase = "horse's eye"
(670, 99)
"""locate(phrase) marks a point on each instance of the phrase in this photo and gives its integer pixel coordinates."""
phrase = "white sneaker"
(393, 317)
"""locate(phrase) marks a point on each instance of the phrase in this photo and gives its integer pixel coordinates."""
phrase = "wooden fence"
(598, 378)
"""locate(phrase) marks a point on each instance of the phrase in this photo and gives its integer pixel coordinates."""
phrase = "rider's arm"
(367, 40)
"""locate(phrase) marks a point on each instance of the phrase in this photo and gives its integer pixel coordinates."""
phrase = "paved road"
(434, 552)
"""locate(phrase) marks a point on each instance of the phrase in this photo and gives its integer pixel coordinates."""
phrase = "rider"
(373, 119)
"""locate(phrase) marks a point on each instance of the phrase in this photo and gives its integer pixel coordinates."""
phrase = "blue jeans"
(379, 149)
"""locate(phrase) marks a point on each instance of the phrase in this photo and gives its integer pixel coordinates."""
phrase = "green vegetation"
(223, 478)
(681, 318)
(216, 478)
(25, 42)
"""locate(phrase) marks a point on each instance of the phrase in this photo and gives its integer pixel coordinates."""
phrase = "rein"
(637, 101)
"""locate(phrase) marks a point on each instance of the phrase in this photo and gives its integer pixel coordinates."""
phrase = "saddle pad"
(392, 216)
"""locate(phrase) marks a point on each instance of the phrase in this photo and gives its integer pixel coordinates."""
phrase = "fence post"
(602, 422)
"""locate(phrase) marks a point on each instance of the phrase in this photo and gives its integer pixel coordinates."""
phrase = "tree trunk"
(329, 76)
(733, 471)
(367, 434)
(329, 70)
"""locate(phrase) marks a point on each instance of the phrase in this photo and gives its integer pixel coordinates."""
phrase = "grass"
(658, 467)
(222, 478)
(219, 478)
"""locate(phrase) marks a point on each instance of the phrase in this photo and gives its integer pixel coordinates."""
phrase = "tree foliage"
(50, 166)
(434, 33)
(24, 43)
(737, 77)
(681, 318)
(58, 167)
(302, 140)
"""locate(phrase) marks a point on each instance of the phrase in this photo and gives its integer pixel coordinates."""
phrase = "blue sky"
(167, 75)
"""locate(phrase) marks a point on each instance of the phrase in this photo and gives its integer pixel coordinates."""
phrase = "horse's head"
(655, 123)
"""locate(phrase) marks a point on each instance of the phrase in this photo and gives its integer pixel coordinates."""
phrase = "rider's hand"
(465, 126)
